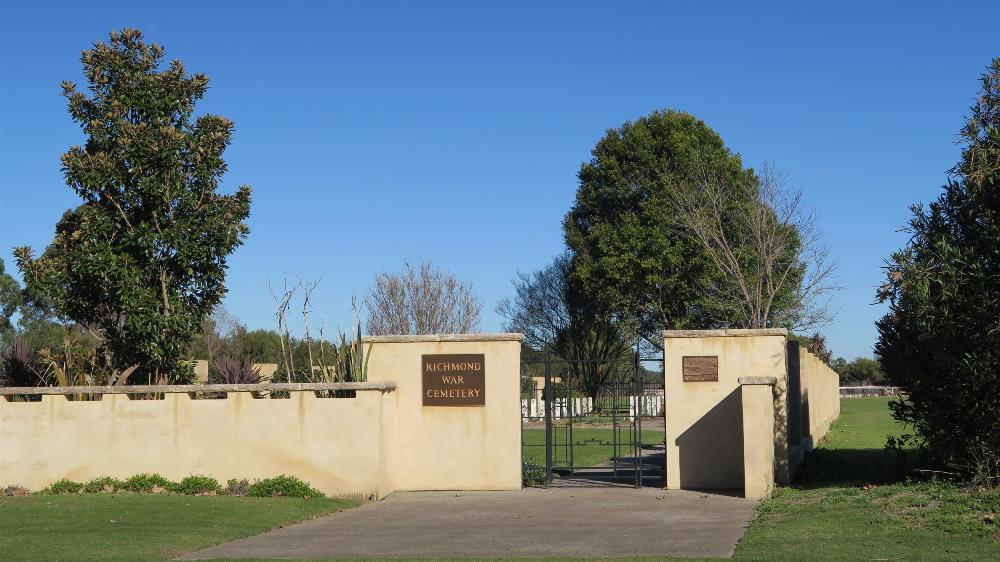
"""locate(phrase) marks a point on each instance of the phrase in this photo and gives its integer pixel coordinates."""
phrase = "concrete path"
(587, 522)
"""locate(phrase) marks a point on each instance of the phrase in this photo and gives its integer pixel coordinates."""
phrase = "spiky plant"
(16, 366)
(227, 370)
(351, 361)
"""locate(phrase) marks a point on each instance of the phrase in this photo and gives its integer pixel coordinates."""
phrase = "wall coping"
(445, 338)
(770, 381)
(724, 333)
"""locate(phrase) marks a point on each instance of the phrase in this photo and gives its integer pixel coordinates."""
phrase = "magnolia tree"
(141, 261)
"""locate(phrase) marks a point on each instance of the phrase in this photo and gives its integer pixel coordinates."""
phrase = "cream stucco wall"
(741, 432)
(454, 448)
(370, 445)
(336, 444)
(757, 399)
(819, 397)
(267, 370)
(705, 420)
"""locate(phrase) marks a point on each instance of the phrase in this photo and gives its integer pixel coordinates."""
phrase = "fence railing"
(867, 391)
(564, 407)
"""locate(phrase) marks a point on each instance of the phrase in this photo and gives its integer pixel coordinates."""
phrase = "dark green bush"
(533, 475)
(527, 387)
(146, 483)
(283, 485)
(237, 487)
(103, 483)
(940, 340)
(194, 485)
(560, 390)
(64, 486)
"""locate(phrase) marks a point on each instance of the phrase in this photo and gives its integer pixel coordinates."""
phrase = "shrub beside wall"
(278, 486)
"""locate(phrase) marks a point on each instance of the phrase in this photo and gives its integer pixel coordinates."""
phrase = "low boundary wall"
(381, 440)
(454, 447)
(341, 446)
(819, 398)
(743, 408)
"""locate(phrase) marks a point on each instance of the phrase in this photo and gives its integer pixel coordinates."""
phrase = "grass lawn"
(846, 505)
(139, 527)
(592, 446)
(828, 515)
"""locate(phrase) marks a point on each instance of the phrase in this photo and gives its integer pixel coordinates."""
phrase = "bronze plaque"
(454, 380)
(701, 368)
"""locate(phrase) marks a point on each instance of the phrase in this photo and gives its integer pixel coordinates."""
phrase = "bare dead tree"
(307, 290)
(553, 315)
(284, 335)
(215, 328)
(541, 309)
(774, 268)
(421, 300)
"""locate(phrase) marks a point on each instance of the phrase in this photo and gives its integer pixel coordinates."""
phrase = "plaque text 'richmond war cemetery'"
(700, 368)
(454, 380)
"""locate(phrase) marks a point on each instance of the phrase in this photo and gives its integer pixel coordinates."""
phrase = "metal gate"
(593, 421)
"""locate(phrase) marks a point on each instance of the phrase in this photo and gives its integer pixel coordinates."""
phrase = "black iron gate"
(594, 420)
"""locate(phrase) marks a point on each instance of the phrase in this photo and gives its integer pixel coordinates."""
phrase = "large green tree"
(11, 300)
(940, 340)
(630, 250)
(142, 261)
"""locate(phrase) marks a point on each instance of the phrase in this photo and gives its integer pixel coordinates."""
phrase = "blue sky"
(373, 133)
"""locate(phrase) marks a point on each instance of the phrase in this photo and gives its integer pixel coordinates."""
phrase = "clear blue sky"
(374, 132)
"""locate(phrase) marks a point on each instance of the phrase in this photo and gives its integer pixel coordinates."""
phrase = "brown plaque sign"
(700, 368)
(454, 380)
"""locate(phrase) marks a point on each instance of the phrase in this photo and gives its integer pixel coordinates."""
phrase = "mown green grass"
(139, 527)
(592, 446)
(832, 512)
(848, 505)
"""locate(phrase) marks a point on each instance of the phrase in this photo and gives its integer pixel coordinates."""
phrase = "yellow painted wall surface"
(758, 439)
(336, 444)
(820, 397)
(704, 420)
(373, 444)
(267, 370)
(454, 448)
(716, 435)
(201, 370)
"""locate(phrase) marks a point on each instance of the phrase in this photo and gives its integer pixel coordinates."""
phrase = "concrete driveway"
(586, 522)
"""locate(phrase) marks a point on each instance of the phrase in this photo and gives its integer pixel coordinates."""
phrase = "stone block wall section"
(757, 401)
(749, 428)
(454, 448)
(704, 419)
(381, 441)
